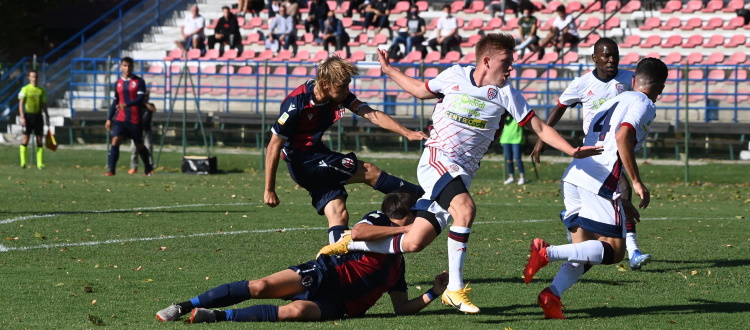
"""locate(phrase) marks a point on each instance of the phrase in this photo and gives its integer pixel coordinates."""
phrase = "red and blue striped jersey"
(130, 92)
(302, 123)
(365, 277)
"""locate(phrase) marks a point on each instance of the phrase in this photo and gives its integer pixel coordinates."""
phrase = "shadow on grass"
(519, 280)
(674, 265)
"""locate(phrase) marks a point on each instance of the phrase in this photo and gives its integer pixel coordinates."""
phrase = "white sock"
(568, 275)
(457, 256)
(630, 244)
(588, 252)
(384, 246)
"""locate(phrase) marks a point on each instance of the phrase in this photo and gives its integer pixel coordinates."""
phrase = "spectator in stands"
(148, 113)
(358, 5)
(502, 6)
(255, 7)
(415, 30)
(316, 18)
(292, 9)
(527, 26)
(334, 32)
(376, 15)
(282, 32)
(242, 6)
(446, 33)
(273, 7)
(193, 36)
(227, 31)
(564, 30)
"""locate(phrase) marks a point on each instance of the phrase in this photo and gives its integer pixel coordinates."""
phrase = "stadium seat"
(713, 24)
(630, 58)
(252, 38)
(357, 56)
(551, 7)
(631, 41)
(529, 74)
(590, 23)
(211, 54)
(457, 6)
(247, 54)
(548, 58)
(654, 55)
(430, 73)
(400, 23)
(240, 21)
(570, 57)
(302, 56)
(423, 6)
(319, 56)
(713, 6)
(590, 40)
(227, 69)
(733, 5)
(474, 23)
(253, 23)
(176, 54)
(736, 41)
(283, 56)
(341, 9)
(307, 38)
(736, 58)
(694, 58)
(692, 24)
(229, 54)
(716, 74)
(697, 95)
(714, 41)
(734, 23)
(264, 55)
(594, 6)
(194, 54)
(673, 74)
(671, 6)
(612, 23)
(692, 6)
(451, 57)
(359, 40)
(412, 72)
(432, 25)
(693, 41)
(377, 40)
(652, 41)
(245, 70)
(475, 7)
(473, 39)
(412, 57)
(672, 58)
(470, 58)
(611, 6)
(573, 7)
(551, 73)
(671, 24)
(494, 23)
(714, 58)
(341, 53)
(510, 25)
(739, 75)
(630, 7)
(650, 24)
(432, 57)
(400, 7)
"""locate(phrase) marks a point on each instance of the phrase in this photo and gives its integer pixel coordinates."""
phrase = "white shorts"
(434, 172)
(592, 212)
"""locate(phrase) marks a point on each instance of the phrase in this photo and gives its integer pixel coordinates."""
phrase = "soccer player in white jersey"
(595, 215)
(591, 90)
(473, 101)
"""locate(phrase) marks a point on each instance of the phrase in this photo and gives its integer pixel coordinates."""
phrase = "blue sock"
(223, 295)
(258, 313)
(114, 155)
(388, 183)
(334, 233)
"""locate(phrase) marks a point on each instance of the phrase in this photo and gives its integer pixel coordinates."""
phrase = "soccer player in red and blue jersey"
(326, 288)
(305, 115)
(126, 111)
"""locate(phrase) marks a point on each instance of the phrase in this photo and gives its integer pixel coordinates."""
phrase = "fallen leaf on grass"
(739, 217)
(621, 268)
(40, 236)
(12, 238)
(60, 284)
(694, 272)
(93, 301)
(163, 248)
(149, 280)
(139, 268)
(683, 275)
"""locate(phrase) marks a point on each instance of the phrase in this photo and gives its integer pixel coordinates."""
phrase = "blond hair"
(335, 69)
(494, 42)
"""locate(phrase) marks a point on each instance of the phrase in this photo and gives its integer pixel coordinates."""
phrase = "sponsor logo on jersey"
(307, 281)
(590, 93)
(283, 118)
(491, 93)
(347, 162)
(456, 88)
(292, 107)
(471, 101)
(309, 116)
(620, 88)
(646, 125)
(473, 122)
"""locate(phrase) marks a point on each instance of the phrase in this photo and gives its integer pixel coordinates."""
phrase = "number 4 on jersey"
(601, 126)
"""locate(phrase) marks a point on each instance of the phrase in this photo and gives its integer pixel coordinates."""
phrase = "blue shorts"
(128, 130)
(322, 173)
(321, 281)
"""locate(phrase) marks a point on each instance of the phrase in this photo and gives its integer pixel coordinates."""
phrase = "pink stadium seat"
(211, 54)
(674, 74)
(734, 23)
(473, 39)
(594, 6)
(457, 6)
(736, 41)
(283, 56)
(247, 54)
(573, 7)
(570, 57)
(551, 7)
(671, 24)
(193, 54)
(740, 74)
(733, 5)
(693, 41)
(302, 56)
(549, 74)
(692, 24)
(713, 24)
(213, 24)
(692, 6)
(630, 58)
(590, 41)
(432, 25)
(306, 38)
(379, 39)
(650, 24)
(695, 58)
(252, 38)
(253, 23)
(671, 6)
(510, 25)
(240, 21)
(400, 7)
(713, 6)
(401, 22)
(229, 54)
(714, 41)
(631, 41)
(341, 53)
(451, 57)
(630, 7)
(227, 69)
(529, 74)
(412, 72)
(342, 8)
(359, 40)
(176, 54)
(423, 6)
(652, 41)
(357, 56)
(612, 23)
(493, 24)
(474, 23)
(672, 58)
(697, 95)
(430, 73)
(245, 70)
(299, 71)
(156, 69)
(714, 58)
(654, 55)
(412, 57)
(590, 23)
(432, 57)
(737, 58)
(264, 55)
(475, 7)
(548, 58)
(332, 5)
(470, 58)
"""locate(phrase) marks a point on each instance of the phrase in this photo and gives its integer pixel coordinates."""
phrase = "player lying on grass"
(591, 91)
(306, 114)
(473, 102)
(593, 208)
(327, 288)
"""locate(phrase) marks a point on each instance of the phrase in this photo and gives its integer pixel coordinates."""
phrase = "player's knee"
(292, 313)
(258, 287)
(414, 246)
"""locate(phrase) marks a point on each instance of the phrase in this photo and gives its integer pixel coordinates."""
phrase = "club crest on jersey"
(491, 93)
(453, 168)
(307, 281)
(620, 88)
(133, 84)
(347, 162)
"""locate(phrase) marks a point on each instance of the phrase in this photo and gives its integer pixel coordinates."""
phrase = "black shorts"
(322, 173)
(34, 124)
(322, 287)
(128, 130)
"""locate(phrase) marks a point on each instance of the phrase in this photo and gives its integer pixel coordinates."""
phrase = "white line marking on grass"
(3, 248)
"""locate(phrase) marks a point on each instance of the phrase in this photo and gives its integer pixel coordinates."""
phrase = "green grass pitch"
(80, 250)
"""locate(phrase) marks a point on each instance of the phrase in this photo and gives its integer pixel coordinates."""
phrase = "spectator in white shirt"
(281, 31)
(192, 32)
(446, 33)
(564, 30)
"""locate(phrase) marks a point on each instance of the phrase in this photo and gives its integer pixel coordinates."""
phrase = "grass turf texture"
(192, 233)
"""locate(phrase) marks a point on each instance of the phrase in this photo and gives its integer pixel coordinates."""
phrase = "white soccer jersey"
(592, 92)
(601, 173)
(467, 117)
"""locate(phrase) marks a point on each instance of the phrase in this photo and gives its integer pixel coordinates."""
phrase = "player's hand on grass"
(583, 152)
(270, 198)
(538, 150)
(416, 136)
(440, 283)
(643, 193)
(631, 212)
(108, 125)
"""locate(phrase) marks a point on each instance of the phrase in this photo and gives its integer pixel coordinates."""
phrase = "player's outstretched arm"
(366, 232)
(403, 306)
(554, 117)
(385, 121)
(273, 153)
(626, 149)
(413, 86)
(550, 136)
